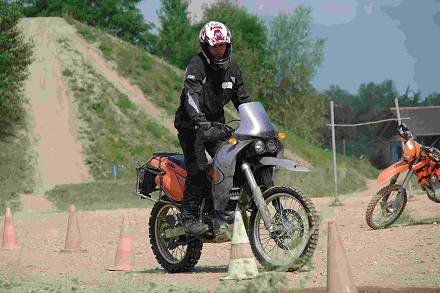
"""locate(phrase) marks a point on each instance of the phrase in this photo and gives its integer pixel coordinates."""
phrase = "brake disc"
(171, 223)
(285, 227)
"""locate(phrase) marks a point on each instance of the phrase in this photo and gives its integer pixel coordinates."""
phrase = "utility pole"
(343, 146)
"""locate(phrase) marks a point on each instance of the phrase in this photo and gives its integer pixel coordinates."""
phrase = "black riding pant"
(197, 184)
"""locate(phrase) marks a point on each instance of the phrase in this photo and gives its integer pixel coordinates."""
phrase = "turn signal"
(233, 141)
(281, 135)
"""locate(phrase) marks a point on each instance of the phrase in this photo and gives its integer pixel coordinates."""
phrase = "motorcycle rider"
(212, 79)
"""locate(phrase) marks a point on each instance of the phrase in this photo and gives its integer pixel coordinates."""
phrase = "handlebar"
(228, 128)
(431, 150)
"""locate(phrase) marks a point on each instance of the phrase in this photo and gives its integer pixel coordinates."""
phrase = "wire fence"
(336, 201)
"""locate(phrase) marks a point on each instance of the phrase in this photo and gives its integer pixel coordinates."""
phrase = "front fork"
(402, 190)
(257, 196)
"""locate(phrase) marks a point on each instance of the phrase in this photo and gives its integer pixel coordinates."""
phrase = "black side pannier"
(146, 175)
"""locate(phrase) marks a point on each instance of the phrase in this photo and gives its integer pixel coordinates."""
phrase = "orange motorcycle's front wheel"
(386, 206)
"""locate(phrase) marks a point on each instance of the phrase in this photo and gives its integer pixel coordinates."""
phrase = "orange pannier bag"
(173, 179)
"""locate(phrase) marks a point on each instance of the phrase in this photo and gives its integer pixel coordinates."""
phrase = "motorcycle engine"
(433, 189)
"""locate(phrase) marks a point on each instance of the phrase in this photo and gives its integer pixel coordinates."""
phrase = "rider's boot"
(192, 224)
(193, 227)
(219, 225)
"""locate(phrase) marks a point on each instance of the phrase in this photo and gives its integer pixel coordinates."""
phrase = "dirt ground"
(395, 257)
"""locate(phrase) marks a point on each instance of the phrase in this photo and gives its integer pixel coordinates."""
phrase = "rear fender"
(392, 170)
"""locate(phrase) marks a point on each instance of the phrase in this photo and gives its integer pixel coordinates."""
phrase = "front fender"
(396, 168)
(223, 172)
(286, 164)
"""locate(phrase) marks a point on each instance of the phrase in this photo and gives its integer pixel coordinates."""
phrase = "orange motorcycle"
(422, 161)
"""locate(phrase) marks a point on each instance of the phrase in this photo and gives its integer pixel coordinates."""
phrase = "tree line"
(15, 57)
(372, 102)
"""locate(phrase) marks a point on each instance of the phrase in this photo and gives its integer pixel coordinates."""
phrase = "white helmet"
(212, 34)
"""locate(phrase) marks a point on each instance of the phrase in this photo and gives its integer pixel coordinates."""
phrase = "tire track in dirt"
(55, 137)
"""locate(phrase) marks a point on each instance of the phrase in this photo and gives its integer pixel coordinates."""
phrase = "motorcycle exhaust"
(257, 196)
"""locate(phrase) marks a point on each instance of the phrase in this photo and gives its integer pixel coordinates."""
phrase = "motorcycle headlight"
(271, 146)
(259, 147)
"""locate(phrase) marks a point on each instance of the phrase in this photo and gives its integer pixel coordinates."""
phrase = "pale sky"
(324, 11)
(366, 40)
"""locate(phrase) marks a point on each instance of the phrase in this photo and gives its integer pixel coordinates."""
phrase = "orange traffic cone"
(73, 235)
(339, 276)
(124, 260)
(9, 240)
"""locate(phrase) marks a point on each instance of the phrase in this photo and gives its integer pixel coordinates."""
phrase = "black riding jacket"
(206, 91)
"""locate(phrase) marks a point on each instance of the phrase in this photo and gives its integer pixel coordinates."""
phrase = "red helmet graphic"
(212, 34)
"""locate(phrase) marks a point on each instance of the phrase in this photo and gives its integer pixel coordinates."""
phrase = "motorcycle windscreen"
(254, 121)
(392, 170)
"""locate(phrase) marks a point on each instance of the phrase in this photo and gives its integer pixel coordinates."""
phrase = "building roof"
(424, 121)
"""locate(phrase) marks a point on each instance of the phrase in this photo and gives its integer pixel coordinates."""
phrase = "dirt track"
(54, 120)
(398, 256)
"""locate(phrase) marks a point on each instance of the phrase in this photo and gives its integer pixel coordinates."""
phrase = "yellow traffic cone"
(339, 276)
(242, 263)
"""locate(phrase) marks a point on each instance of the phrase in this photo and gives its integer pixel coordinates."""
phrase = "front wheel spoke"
(265, 232)
(266, 243)
(277, 249)
(173, 253)
(290, 252)
(179, 252)
(275, 245)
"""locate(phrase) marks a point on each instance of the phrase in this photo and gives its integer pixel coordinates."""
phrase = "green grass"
(126, 282)
(99, 195)
(11, 281)
(112, 130)
(16, 168)
(157, 80)
(352, 172)
(319, 181)
(406, 219)
(89, 35)
(318, 156)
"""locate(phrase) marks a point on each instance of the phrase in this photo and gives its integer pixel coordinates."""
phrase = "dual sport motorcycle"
(281, 221)
(422, 161)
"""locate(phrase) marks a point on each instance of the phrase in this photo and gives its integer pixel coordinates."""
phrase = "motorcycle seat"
(178, 159)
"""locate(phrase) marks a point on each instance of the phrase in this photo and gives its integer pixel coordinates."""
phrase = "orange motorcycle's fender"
(396, 168)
